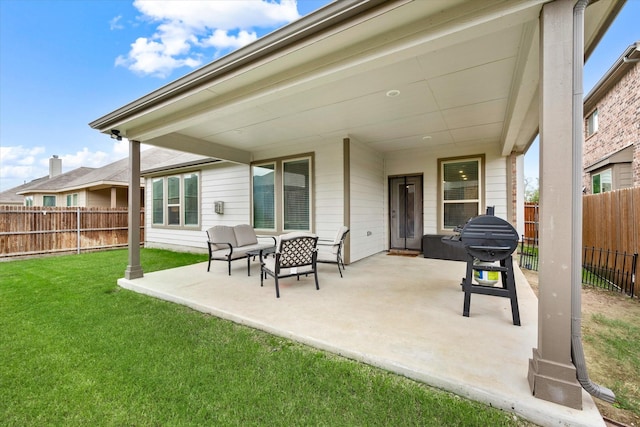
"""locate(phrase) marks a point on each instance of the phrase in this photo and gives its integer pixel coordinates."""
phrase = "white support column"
(552, 375)
(134, 269)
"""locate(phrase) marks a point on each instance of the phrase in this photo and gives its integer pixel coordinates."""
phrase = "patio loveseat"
(227, 243)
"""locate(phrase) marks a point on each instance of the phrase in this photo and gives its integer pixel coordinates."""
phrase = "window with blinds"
(191, 199)
(173, 200)
(264, 210)
(158, 201)
(176, 200)
(282, 195)
(460, 191)
(297, 190)
(48, 200)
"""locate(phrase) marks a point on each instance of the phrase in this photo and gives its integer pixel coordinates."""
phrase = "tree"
(532, 190)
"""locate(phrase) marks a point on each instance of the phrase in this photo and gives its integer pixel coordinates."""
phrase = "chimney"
(55, 166)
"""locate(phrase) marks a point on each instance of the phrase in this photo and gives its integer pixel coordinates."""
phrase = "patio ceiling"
(462, 72)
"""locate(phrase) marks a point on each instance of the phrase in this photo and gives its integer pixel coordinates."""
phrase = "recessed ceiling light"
(426, 137)
(393, 93)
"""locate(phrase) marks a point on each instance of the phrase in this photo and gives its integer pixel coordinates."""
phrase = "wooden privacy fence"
(531, 217)
(46, 230)
(611, 220)
(610, 239)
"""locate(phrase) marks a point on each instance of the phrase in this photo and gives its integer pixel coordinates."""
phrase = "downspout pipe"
(577, 352)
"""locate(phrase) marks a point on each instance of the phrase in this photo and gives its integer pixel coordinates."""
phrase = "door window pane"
(297, 189)
(406, 220)
(264, 197)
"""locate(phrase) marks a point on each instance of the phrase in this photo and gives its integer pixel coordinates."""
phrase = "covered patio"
(411, 325)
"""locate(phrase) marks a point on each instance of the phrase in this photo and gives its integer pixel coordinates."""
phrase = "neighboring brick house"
(612, 127)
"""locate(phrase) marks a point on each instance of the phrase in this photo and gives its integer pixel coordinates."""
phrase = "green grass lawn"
(79, 351)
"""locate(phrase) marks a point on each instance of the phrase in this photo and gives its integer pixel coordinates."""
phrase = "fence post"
(78, 226)
(633, 274)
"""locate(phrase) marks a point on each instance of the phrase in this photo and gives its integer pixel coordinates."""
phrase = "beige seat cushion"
(270, 264)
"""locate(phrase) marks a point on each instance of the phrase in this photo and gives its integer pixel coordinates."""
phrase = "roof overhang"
(465, 72)
(185, 166)
(624, 155)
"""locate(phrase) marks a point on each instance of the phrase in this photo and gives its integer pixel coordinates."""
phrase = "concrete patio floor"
(402, 314)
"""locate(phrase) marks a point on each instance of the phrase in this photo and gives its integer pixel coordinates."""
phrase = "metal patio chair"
(295, 256)
(330, 251)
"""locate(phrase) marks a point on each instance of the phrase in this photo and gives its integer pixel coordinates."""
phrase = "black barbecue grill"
(488, 239)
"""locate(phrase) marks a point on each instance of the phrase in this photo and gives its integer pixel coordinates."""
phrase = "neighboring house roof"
(115, 174)
(623, 64)
(11, 196)
(55, 184)
(118, 172)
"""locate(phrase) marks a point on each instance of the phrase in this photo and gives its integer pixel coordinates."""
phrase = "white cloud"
(19, 154)
(115, 24)
(18, 165)
(221, 40)
(86, 158)
(185, 28)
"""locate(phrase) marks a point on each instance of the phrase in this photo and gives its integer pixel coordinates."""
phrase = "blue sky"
(64, 63)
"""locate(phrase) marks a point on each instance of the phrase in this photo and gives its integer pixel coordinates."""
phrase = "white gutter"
(577, 352)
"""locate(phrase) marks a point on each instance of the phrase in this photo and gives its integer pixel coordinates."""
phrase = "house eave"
(624, 155)
(179, 167)
(612, 76)
(314, 23)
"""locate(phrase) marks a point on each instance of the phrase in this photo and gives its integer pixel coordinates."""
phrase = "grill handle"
(490, 248)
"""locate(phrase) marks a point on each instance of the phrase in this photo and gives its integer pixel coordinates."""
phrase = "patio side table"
(258, 253)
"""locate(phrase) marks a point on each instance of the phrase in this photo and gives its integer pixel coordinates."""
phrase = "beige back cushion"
(245, 235)
(222, 234)
(341, 231)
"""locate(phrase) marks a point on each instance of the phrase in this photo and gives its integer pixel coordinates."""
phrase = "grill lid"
(489, 238)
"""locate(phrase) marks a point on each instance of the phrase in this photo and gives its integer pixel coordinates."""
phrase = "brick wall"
(618, 124)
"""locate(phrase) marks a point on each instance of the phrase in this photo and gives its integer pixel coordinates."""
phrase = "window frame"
(169, 207)
(154, 199)
(479, 201)
(49, 197)
(72, 200)
(592, 123)
(279, 192)
(164, 212)
(274, 206)
(599, 174)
